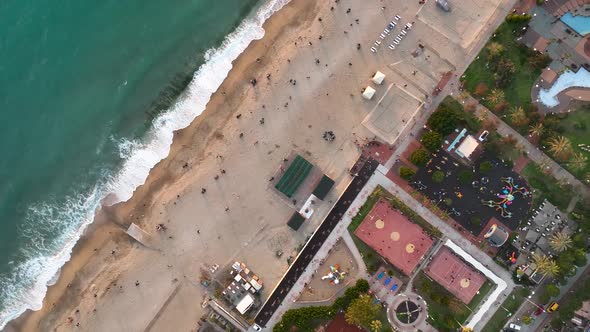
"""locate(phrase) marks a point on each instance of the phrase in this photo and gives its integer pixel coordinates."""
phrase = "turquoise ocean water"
(87, 100)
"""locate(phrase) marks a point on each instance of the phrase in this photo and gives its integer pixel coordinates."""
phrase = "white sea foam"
(27, 286)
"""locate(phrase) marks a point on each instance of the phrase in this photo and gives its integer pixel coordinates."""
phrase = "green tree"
(578, 161)
(539, 60)
(527, 319)
(420, 157)
(376, 326)
(550, 269)
(552, 290)
(580, 257)
(560, 147)
(504, 73)
(537, 129)
(362, 311)
(465, 176)
(496, 96)
(432, 140)
(438, 176)
(518, 117)
(494, 49)
(443, 120)
(406, 173)
(485, 166)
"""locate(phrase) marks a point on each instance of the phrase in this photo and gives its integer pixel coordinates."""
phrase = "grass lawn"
(382, 317)
(547, 187)
(483, 291)
(506, 310)
(518, 91)
(576, 127)
(445, 311)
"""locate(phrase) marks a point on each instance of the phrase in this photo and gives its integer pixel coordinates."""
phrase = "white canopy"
(378, 77)
(368, 93)
(245, 304)
(467, 147)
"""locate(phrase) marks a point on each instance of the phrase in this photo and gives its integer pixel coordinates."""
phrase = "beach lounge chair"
(403, 32)
(397, 17)
(377, 43)
(396, 42)
(374, 50)
(387, 281)
(394, 287)
(382, 36)
(391, 47)
(386, 31)
(408, 26)
(380, 275)
(397, 39)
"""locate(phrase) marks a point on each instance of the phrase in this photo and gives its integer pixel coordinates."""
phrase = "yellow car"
(552, 306)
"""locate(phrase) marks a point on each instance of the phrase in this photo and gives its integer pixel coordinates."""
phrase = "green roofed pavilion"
(296, 221)
(323, 187)
(294, 176)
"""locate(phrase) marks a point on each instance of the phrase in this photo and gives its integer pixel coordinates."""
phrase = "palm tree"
(537, 129)
(518, 116)
(560, 241)
(560, 146)
(578, 161)
(545, 265)
(495, 49)
(495, 96)
(540, 260)
(551, 269)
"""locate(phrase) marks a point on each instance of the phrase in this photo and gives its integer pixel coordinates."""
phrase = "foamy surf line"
(140, 158)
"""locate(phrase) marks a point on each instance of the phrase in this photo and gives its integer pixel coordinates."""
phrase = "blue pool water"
(580, 24)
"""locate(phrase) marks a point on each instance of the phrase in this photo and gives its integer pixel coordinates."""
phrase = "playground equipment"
(507, 197)
(512, 258)
(335, 275)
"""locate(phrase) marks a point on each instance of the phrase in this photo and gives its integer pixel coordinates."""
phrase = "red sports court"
(394, 237)
(458, 277)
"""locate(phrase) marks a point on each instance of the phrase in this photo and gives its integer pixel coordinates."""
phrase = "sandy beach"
(309, 74)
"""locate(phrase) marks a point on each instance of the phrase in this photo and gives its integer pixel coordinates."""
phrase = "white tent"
(378, 77)
(368, 93)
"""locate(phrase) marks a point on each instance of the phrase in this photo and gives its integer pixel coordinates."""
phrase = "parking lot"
(535, 232)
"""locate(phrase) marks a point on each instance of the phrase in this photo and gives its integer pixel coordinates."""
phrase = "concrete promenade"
(340, 230)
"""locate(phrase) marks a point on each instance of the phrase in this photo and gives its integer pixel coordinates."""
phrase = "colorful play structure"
(335, 275)
(506, 197)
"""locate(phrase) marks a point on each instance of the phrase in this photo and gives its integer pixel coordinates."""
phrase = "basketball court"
(451, 272)
(401, 242)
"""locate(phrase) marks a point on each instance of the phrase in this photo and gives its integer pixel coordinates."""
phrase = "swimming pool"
(566, 80)
(578, 23)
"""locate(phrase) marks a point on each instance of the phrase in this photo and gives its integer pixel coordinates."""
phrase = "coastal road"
(300, 265)
(545, 318)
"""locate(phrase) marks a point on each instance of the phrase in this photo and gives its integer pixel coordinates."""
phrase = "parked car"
(483, 135)
(515, 327)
